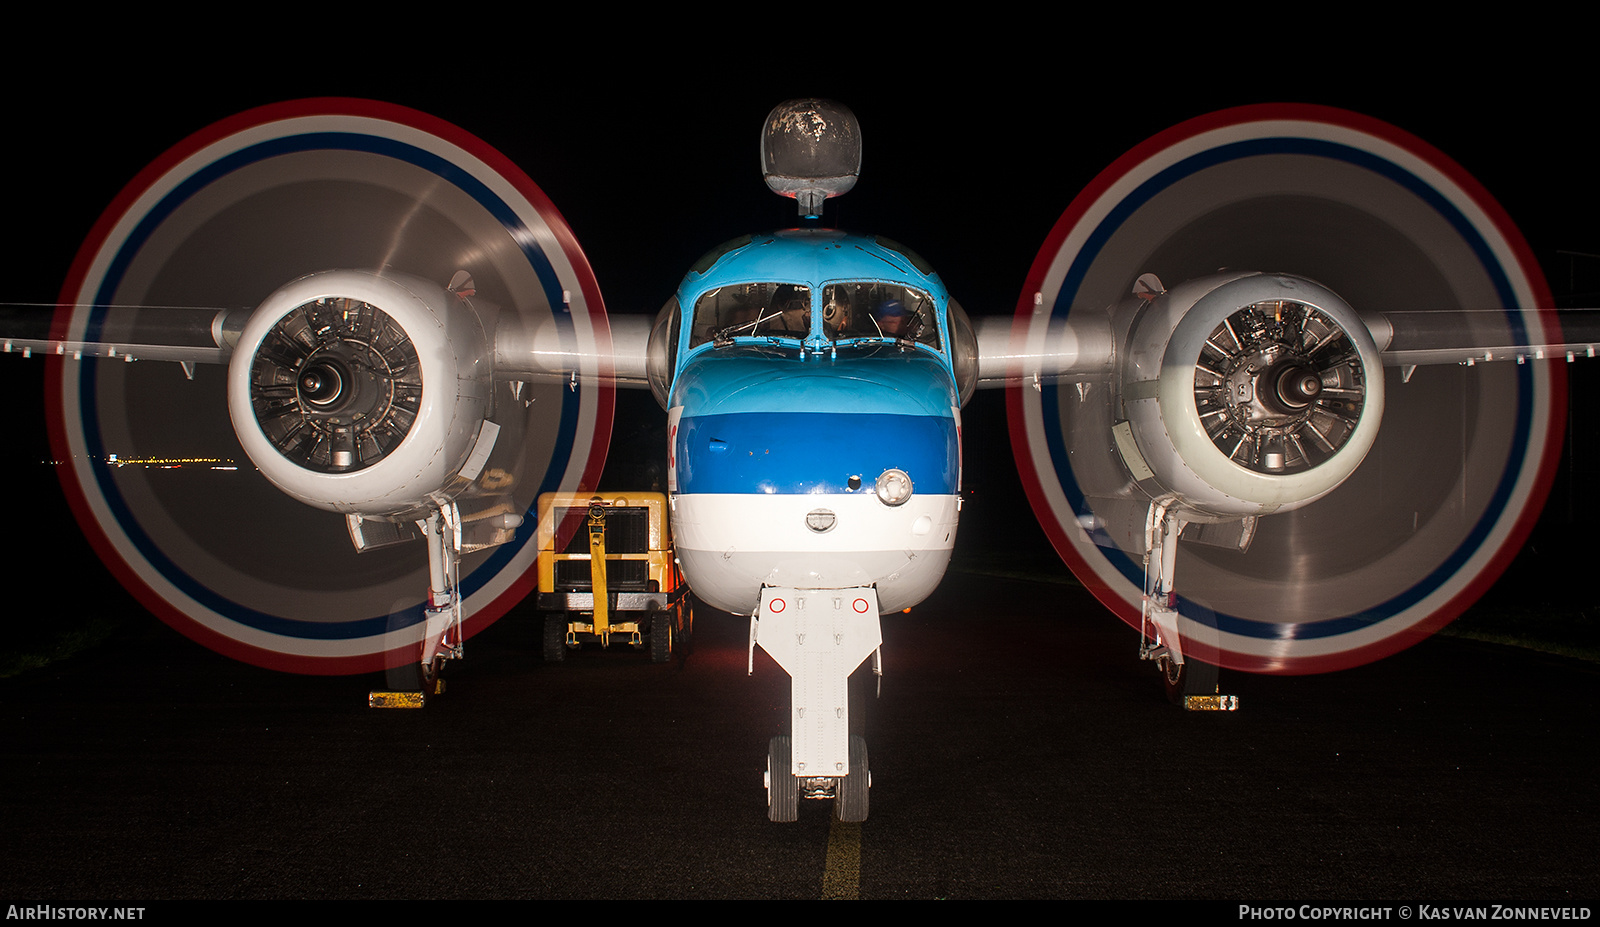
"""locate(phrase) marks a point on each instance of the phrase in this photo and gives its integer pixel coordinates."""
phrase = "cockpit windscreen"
(758, 310)
(871, 309)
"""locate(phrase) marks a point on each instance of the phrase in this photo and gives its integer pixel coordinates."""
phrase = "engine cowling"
(1249, 394)
(361, 393)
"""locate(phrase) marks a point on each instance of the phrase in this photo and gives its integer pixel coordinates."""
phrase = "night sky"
(649, 151)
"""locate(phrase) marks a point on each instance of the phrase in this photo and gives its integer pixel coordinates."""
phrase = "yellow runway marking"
(841, 874)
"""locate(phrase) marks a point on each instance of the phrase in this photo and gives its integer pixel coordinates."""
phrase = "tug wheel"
(661, 637)
(555, 637)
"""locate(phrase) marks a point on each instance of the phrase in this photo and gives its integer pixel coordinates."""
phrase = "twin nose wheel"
(784, 789)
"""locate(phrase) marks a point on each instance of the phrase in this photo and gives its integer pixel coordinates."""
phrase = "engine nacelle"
(362, 393)
(1247, 394)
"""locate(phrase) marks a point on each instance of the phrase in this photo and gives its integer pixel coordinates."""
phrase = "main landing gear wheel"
(783, 790)
(850, 802)
(414, 677)
(1191, 677)
(555, 638)
(661, 637)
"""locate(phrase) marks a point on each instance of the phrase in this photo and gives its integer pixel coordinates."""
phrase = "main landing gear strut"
(411, 684)
(1190, 683)
(819, 636)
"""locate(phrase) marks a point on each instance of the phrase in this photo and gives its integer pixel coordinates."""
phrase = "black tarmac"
(1018, 750)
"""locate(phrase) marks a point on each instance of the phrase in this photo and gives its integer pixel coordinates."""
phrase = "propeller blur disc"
(224, 219)
(1465, 456)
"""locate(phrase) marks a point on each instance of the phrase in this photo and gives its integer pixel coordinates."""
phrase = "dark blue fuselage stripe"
(813, 452)
(1133, 571)
(342, 141)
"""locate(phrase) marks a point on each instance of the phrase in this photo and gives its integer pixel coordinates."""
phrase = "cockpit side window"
(661, 356)
(757, 310)
(963, 351)
(871, 309)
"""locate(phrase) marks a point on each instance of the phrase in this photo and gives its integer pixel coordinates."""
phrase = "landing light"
(894, 487)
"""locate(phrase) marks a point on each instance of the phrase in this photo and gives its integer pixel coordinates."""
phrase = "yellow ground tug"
(606, 570)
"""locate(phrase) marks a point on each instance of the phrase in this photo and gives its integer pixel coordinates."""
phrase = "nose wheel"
(819, 636)
(850, 799)
(784, 789)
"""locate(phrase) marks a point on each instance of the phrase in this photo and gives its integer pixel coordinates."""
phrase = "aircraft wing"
(188, 336)
(550, 353)
(1474, 336)
(208, 336)
(1013, 354)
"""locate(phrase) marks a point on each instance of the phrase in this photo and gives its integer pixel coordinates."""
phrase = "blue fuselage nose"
(776, 464)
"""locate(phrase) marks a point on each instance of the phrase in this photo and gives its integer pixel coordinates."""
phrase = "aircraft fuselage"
(814, 421)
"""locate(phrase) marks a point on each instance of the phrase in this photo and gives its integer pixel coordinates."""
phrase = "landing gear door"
(819, 636)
